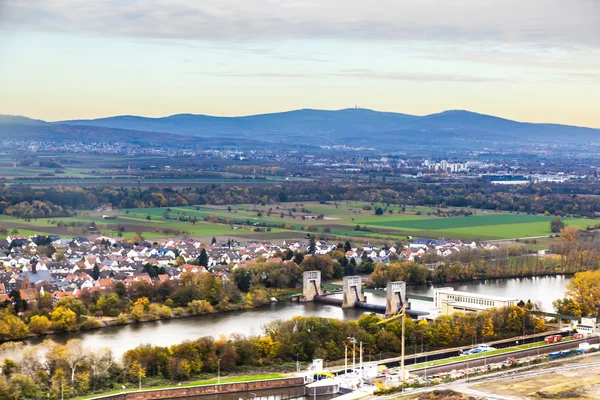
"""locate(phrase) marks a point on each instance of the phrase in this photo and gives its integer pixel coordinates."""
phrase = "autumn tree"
(567, 306)
(199, 307)
(584, 289)
(136, 372)
(11, 327)
(63, 319)
(39, 324)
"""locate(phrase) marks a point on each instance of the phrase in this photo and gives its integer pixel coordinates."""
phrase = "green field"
(298, 218)
(483, 226)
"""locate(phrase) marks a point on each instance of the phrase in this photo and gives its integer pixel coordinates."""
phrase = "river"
(163, 333)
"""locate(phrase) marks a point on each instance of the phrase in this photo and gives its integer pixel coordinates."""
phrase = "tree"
(120, 289)
(95, 272)
(347, 246)
(379, 211)
(203, 258)
(312, 245)
(74, 355)
(556, 224)
(199, 307)
(110, 305)
(18, 302)
(139, 308)
(9, 366)
(567, 306)
(72, 304)
(584, 290)
(39, 324)
(136, 372)
(100, 363)
(11, 327)
(64, 319)
(24, 387)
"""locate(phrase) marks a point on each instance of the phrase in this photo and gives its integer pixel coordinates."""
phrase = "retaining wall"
(184, 392)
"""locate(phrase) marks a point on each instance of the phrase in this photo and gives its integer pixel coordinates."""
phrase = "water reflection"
(251, 322)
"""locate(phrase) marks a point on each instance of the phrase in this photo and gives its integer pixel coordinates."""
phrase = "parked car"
(482, 348)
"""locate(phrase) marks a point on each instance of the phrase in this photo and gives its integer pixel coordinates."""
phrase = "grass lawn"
(227, 379)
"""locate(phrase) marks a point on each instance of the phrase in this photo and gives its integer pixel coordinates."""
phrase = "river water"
(163, 333)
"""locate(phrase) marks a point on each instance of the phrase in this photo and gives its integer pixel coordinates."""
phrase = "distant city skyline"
(533, 61)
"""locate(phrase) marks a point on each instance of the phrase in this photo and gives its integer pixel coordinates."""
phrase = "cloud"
(363, 74)
(416, 76)
(551, 23)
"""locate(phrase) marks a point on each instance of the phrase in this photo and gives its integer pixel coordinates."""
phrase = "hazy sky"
(530, 60)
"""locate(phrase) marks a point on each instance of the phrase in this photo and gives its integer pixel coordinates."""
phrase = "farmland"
(292, 220)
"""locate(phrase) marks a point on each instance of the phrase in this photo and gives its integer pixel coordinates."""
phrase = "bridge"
(354, 297)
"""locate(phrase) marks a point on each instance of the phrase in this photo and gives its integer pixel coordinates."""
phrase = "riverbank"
(92, 323)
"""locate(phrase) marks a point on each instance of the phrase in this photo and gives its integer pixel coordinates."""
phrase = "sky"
(528, 60)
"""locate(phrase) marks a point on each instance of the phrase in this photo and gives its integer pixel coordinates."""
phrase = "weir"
(353, 296)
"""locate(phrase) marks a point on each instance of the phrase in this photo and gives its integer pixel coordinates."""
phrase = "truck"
(553, 339)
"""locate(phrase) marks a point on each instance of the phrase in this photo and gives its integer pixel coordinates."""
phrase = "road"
(572, 344)
(465, 387)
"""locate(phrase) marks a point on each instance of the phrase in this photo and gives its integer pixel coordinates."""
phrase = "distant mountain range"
(352, 126)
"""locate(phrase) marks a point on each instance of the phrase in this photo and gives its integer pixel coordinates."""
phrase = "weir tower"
(352, 291)
(311, 285)
(395, 298)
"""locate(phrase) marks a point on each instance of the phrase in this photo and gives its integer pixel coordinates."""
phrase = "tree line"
(33, 372)
(532, 198)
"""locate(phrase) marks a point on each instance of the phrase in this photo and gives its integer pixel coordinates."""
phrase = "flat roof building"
(449, 301)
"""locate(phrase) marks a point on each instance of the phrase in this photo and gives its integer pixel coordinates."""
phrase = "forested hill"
(350, 125)
(449, 130)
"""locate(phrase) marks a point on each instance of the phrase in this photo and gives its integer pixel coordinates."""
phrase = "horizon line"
(289, 111)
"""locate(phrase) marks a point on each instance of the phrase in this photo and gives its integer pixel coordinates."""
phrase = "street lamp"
(219, 371)
(345, 359)
(353, 340)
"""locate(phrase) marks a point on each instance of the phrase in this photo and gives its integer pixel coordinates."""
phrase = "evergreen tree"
(203, 258)
(96, 272)
(312, 245)
(347, 246)
(18, 302)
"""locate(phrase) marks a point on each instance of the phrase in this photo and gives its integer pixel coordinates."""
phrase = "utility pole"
(353, 355)
(140, 380)
(219, 372)
(426, 351)
(345, 359)
(402, 359)
(362, 372)
(353, 340)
